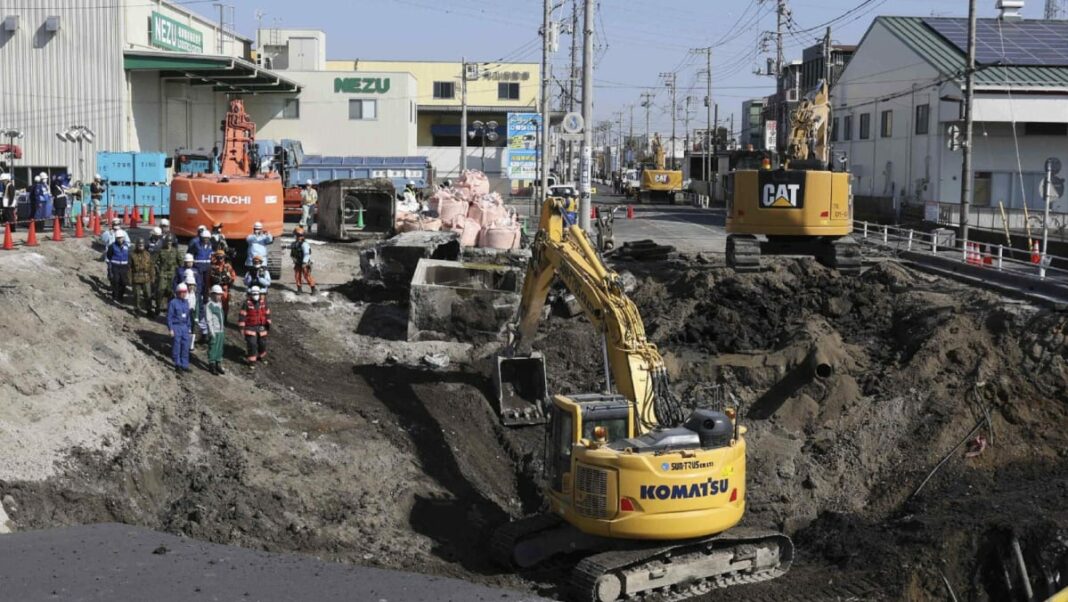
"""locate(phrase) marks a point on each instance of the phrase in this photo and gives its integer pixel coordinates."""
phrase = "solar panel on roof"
(997, 42)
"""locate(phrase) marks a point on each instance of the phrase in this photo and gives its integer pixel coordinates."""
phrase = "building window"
(886, 124)
(847, 127)
(1038, 128)
(923, 119)
(834, 130)
(982, 189)
(865, 126)
(362, 109)
(290, 109)
(444, 90)
(507, 91)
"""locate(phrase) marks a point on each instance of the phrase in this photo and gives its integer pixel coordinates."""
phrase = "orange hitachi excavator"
(237, 196)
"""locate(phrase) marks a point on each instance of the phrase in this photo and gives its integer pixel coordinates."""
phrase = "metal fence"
(944, 243)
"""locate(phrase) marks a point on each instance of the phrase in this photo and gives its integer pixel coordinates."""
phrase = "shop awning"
(223, 73)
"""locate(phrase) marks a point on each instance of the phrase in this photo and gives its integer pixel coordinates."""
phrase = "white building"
(897, 99)
(153, 76)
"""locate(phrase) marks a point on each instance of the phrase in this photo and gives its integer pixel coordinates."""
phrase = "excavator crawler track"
(845, 255)
(679, 572)
(743, 253)
(505, 539)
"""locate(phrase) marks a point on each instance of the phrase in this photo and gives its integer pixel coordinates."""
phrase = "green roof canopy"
(223, 73)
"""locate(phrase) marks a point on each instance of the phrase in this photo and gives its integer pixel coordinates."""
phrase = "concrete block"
(460, 301)
(393, 262)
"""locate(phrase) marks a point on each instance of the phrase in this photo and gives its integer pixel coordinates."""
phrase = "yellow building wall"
(482, 92)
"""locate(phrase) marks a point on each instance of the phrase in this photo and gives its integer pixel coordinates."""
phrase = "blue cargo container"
(149, 168)
(120, 195)
(115, 167)
(147, 196)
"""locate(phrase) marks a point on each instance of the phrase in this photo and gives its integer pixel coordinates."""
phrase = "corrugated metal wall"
(50, 81)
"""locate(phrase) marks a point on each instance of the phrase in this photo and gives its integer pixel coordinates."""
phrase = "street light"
(80, 134)
(11, 134)
(486, 130)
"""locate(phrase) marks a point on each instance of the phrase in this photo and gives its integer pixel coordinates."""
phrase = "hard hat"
(188, 258)
(205, 234)
(218, 225)
(257, 226)
(411, 182)
(254, 290)
(36, 178)
(308, 182)
(157, 232)
(140, 242)
(216, 289)
(257, 259)
(5, 176)
(201, 228)
(220, 253)
(182, 288)
(115, 221)
(165, 222)
(42, 175)
(190, 278)
(98, 177)
(120, 234)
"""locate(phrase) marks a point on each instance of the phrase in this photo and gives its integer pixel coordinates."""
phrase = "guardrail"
(983, 255)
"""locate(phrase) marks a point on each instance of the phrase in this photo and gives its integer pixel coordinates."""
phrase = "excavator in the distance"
(658, 183)
(650, 495)
(805, 207)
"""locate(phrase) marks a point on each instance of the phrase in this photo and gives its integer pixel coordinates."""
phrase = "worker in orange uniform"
(255, 322)
(222, 274)
(300, 251)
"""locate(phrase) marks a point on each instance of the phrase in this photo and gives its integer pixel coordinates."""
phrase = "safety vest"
(254, 314)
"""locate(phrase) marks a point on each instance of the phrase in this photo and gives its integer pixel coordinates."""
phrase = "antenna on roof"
(1010, 9)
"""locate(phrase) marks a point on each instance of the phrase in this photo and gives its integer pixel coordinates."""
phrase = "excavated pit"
(350, 446)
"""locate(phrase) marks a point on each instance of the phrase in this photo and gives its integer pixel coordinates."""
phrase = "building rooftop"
(935, 40)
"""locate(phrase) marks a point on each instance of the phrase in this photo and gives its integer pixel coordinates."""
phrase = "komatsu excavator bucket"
(522, 393)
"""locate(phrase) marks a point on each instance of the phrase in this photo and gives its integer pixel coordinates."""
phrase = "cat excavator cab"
(649, 494)
(805, 207)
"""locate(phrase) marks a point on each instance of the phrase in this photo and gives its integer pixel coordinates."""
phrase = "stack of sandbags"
(473, 181)
(410, 222)
(450, 208)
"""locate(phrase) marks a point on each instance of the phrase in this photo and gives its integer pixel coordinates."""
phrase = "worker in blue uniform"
(179, 319)
(201, 250)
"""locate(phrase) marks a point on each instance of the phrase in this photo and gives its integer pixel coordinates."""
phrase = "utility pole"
(546, 82)
(780, 117)
(710, 125)
(966, 167)
(686, 120)
(827, 73)
(647, 102)
(619, 150)
(669, 80)
(630, 137)
(463, 114)
(572, 84)
(587, 114)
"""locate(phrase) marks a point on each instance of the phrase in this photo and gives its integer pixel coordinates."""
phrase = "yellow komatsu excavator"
(803, 208)
(652, 496)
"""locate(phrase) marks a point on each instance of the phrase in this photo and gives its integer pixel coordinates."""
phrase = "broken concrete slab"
(460, 301)
(393, 262)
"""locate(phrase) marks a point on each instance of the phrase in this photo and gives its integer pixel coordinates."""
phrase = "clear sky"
(636, 39)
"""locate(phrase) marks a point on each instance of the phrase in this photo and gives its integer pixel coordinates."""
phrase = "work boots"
(300, 290)
(219, 369)
(315, 290)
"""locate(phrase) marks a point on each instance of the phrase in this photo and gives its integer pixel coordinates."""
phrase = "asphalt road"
(687, 228)
(116, 563)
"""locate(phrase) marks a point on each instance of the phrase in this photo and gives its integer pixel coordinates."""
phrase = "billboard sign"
(771, 135)
(522, 153)
(168, 34)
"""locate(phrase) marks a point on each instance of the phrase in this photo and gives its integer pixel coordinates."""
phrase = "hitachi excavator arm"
(239, 133)
(635, 364)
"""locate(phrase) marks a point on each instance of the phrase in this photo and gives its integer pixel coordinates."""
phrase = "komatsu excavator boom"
(653, 496)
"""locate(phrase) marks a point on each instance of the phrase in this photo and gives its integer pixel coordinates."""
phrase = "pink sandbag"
(451, 210)
(474, 180)
(468, 229)
(486, 213)
(501, 235)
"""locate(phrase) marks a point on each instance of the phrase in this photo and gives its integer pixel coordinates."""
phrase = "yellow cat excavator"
(803, 208)
(652, 496)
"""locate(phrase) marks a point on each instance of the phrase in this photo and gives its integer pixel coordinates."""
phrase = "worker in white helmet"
(165, 232)
(308, 199)
(96, 194)
(179, 319)
(254, 320)
(118, 261)
(8, 203)
(215, 321)
(257, 244)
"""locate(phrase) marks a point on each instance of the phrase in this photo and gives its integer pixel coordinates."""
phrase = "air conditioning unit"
(52, 24)
(791, 95)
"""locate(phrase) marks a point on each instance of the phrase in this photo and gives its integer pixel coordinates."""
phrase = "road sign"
(571, 137)
(1053, 167)
(953, 141)
(771, 135)
(573, 123)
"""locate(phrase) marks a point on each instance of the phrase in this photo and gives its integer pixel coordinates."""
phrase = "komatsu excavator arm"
(637, 369)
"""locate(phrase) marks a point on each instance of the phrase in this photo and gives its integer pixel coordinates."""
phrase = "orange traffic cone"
(95, 219)
(57, 230)
(126, 216)
(108, 216)
(79, 231)
(8, 243)
(1036, 254)
(151, 216)
(31, 238)
(134, 217)
(630, 211)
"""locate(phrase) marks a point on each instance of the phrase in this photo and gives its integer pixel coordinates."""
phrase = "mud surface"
(350, 446)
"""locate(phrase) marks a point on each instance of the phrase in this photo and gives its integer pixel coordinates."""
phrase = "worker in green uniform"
(167, 261)
(142, 273)
(216, 326)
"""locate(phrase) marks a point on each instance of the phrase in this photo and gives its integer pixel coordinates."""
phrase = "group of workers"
(56, 190)
(193, 286)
